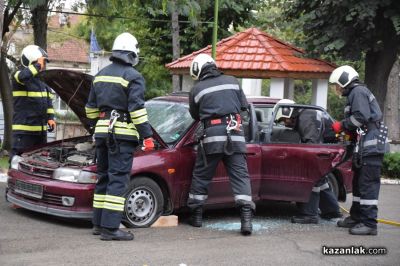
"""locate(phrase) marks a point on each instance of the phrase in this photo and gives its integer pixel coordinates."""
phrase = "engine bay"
(79, 152)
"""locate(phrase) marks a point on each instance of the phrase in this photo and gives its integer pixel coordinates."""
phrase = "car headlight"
(15, 162)
(74, 175)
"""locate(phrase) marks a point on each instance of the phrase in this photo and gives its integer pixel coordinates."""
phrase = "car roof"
(183, 97)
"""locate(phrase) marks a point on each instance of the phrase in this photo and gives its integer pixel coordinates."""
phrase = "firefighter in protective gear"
(116, 101)
(310, 127)
(362, 115)
(216, 100)
(32, 100)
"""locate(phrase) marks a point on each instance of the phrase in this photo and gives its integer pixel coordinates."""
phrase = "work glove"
(148, 144)
(42, 62)
(337, 127)
(52, 124)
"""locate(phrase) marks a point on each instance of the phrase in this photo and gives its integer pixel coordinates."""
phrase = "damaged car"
(59, 178)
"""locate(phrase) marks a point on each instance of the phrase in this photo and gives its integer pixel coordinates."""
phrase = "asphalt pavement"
(28, 238)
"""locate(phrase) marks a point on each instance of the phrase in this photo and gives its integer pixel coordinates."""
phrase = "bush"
(391, 165)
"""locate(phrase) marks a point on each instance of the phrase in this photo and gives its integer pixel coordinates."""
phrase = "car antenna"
(65, 118)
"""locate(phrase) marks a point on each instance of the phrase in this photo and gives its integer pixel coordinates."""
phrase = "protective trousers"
(236, 167)
(114, 175)
(366, 185)
(321, 196)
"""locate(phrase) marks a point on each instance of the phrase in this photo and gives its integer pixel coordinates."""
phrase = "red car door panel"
(289, 171)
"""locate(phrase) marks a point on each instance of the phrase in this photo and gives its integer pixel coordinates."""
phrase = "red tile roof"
(255, 50)
(72, 50)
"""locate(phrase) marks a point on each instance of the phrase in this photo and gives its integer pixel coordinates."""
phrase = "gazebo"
(254, 55)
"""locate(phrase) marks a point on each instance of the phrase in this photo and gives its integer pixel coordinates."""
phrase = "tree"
(151, 23)
(351, 29)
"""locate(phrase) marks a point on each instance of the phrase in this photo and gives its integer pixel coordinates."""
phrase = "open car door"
(291, 167)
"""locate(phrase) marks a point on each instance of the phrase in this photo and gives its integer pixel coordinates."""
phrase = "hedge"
(391, 165)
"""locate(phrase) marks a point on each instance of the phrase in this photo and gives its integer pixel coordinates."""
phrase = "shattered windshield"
(170, 119)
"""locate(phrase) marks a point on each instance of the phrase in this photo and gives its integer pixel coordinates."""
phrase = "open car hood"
(73, 87)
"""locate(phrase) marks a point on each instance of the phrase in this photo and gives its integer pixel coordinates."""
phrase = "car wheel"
(333, 183)
(144, 203)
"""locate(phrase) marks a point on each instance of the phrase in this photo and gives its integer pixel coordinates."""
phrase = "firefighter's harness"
(112, 142)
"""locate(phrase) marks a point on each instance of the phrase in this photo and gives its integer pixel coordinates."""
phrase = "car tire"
(333, 184)
(144, 203)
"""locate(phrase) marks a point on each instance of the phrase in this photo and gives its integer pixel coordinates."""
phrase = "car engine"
(70, 153)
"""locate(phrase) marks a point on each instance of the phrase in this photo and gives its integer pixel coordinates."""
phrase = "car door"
(290, 168)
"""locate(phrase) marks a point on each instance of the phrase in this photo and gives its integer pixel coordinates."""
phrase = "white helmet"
(198, 63)
(343, 76)
(31, 54)
(284, 111)
(126, 42)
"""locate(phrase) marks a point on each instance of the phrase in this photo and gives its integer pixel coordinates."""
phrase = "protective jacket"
(309, 126)
(213, 99)
(119, 87)
(32, 101)
(362, 111)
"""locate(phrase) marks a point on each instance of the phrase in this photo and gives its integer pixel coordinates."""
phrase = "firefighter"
(216, 100)
(116, 100)
(32, 100)
(310, 128)
(363, 117)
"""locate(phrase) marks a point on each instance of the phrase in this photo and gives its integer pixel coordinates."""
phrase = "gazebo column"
(251, 87)
(319, 92)
(277, 88)
(187, 83)
(289, 88)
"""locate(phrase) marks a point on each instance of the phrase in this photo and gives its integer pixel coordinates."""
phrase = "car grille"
(35, 170)
(48, 198)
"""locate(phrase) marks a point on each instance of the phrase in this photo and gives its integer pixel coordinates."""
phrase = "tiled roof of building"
(255, 50)
(72, 50)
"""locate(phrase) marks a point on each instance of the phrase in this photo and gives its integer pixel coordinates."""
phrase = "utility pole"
(215, 30)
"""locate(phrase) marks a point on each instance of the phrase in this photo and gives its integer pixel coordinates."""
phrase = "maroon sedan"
(59, 178)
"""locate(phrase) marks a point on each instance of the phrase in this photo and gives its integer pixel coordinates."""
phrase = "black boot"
(196, 219)
(115, 234)
(96, 230)
(246, 215)
(347, 222)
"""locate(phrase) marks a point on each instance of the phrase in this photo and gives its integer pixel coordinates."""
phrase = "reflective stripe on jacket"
(119, 87)
(32, 100)
(217, 96)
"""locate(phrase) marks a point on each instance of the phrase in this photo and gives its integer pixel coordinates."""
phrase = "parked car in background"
(59, 177)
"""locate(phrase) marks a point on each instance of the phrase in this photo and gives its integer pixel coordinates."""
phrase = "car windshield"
(170, 119)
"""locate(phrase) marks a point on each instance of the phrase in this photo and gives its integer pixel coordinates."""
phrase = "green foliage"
(346, 28)
(150, 24)
(4, 164)
(391, 165)
(336, 105)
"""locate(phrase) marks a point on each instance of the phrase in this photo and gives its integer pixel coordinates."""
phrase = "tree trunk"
(392, 104)
(6, 96)
(379, 63)
(39, 24)
(176, 49)
(377, 69)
